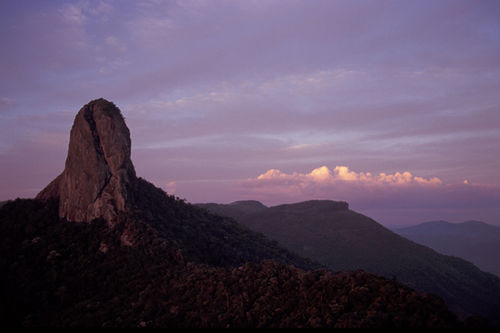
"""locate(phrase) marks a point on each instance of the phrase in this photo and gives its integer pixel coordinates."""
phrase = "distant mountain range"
(475, 241)
(342, 239)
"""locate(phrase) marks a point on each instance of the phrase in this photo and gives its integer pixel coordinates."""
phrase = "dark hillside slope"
(341, 239)
(205, 237)
(63, 274)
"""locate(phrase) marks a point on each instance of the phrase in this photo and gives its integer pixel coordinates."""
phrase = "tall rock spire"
(99, 177)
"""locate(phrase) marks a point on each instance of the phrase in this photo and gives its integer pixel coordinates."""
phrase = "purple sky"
(278, 101)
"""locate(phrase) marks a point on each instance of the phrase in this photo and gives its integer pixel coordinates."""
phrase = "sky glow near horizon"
(392, 106)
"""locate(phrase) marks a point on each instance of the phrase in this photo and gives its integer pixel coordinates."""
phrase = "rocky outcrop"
(99, 178)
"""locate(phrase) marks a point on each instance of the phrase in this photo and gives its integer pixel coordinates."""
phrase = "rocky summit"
(99, 177)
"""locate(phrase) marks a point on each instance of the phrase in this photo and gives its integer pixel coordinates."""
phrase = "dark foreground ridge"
(62, 274)
(139, 257)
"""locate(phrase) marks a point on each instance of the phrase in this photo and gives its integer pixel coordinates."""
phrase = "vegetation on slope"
(331, 234)
(59, 273)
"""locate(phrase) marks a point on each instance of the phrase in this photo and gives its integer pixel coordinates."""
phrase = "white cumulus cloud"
(323, 176)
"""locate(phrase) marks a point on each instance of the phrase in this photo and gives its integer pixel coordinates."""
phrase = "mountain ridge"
(475, 241)
(346, 240)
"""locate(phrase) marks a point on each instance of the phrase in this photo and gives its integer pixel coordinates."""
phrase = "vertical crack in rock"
(89, 117)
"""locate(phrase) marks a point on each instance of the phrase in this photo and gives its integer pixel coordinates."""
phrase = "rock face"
(99, 178)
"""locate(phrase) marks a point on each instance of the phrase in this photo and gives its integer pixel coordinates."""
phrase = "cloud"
(324, 176)
(170, 187)
(80, 12)
(115, 44)
(73, 14)
(391, 198)
(29, 165)
(339, 183)
(6, 104)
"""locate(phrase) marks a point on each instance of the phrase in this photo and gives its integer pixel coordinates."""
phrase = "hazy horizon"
(392, 106)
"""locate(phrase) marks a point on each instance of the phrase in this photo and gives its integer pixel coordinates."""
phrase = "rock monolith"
(99, 178)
